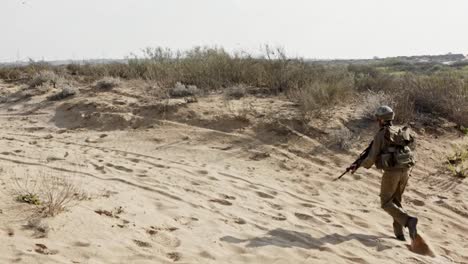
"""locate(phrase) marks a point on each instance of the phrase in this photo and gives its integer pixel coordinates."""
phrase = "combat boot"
(400, 237)
(398, 231)
(411, 224)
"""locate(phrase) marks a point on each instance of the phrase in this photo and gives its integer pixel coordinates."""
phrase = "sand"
(211, 184)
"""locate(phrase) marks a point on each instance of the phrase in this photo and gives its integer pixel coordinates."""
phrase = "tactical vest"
(396, 153)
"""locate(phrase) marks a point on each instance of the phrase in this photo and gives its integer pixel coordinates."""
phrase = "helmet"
(385, 113)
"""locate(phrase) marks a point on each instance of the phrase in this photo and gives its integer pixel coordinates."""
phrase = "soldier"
(390, 152)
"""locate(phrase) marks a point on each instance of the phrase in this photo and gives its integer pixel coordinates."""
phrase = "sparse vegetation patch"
(457, 164)
(410, 87)
(48, 194)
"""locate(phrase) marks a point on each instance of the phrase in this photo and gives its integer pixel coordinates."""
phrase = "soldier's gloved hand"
(353, 168)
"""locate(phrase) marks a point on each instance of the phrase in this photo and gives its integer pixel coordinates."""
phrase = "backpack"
(398, 153)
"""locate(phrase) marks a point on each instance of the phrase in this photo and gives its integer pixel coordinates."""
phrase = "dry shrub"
(10, 73)
(107, 83)
(235, 92)
(434, 89)
(369, 78)
(334, 87)
(58, 193)
(47, 194)
(181, 90)
(44, 77)
(342, 138)
(445, 95)
(212, 68)
(371, 101)
(65, 92)
(439, 94)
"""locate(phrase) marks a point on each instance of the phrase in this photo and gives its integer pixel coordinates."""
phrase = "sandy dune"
(210, 185)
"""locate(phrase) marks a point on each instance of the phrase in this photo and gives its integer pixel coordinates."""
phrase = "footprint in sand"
(308, 205)
(205, 254)
(99, 168)
(362, 224)
(307, 217)
(239, 221)
(118, 167)
(174, 256)
(264, 195)
(166, 240)
(185, 220)
(213, 178)
(303, 216)
(252, 186)
(227, 197)
(44, 250)
(220, 201)
(276, 206)
(142, 243)
(154, 230)
(279, 217)
(81, 244)
(418, 202)
(202, 172)
(312, 190)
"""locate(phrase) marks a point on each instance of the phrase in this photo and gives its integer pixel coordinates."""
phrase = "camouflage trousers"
(391, 190)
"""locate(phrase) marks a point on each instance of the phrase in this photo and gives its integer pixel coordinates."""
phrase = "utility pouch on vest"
(404, 158)
(386, 161)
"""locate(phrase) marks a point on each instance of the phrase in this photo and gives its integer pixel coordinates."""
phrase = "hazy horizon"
(333, 29)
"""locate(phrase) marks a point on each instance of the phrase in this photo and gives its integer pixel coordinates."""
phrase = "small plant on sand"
(59, 193)
(29, 198)
(457, 163)
(48, 194)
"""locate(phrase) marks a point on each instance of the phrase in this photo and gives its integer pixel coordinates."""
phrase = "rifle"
(358, 162)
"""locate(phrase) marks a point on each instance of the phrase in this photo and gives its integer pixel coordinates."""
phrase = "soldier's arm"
(374, 151)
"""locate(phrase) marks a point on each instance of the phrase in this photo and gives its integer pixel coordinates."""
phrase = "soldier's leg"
(397, 227)
(398, 231)
(388, 192)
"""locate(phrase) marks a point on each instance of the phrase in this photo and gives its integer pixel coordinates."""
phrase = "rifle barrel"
(343, 174)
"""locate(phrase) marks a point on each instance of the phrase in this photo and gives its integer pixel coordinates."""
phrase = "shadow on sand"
(287, 239)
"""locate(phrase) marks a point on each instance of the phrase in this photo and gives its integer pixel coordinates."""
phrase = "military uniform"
(393, 184)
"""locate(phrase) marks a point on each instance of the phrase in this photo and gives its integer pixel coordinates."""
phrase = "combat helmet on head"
(385, 113)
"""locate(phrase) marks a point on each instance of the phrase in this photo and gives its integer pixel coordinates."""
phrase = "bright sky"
(77, 29)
